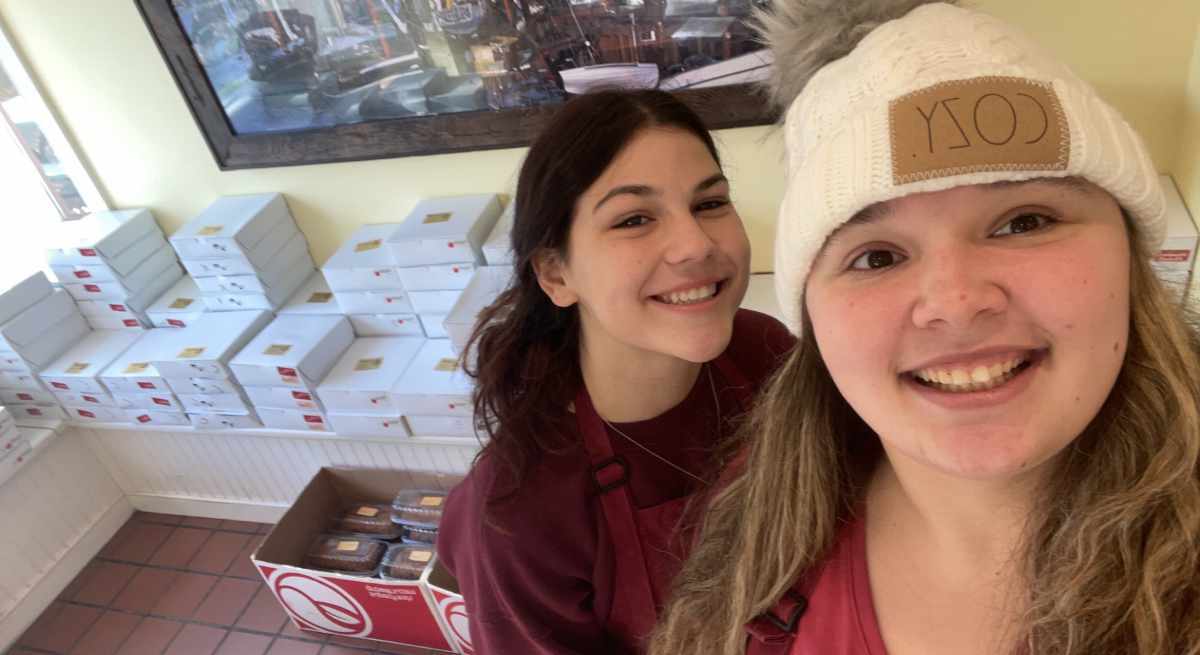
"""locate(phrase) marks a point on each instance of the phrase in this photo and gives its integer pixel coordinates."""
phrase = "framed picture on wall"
(285, 82)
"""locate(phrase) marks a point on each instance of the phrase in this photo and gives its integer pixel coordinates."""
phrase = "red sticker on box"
(33, 411)
(92, 288)
(301, 395)
(91, 399)
(162, 401)
(24, 396)
(1173, 255)
(176, 322)
(87, 252)
(86, 414)
(118, 308)
(147, 385)
(83, 275)
(309, 418)
(286, 372)
(59, 385)
(131, 322)
(144, 418)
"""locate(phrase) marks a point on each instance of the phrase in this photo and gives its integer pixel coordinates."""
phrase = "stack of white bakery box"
(18, 444)
(436, 249)
(1176, 259)
(115, 264)
(38, 323)
(244, 253)
(357, 393)
(362, 275)
(137, 388)
(75, 377)
(314, 298)
(281, 367)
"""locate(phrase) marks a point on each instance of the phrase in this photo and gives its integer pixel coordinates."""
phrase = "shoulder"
(759, 344)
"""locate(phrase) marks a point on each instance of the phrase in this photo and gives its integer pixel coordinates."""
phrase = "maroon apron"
(643, 574)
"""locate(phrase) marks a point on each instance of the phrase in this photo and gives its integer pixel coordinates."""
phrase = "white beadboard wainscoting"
(56, 513)
(249, 475)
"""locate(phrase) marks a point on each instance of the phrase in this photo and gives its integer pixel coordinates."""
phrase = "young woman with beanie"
(987, 440)
(607, 376)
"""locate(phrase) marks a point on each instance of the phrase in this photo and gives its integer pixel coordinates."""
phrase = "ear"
(550, 270)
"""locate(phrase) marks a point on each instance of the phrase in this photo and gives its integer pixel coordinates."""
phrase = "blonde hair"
(1112, 561)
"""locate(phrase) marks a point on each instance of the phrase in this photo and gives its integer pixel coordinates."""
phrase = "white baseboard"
(61, 574)
(234, 510)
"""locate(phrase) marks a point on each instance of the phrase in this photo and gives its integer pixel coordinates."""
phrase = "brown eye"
(875, 260)
(1024, 223)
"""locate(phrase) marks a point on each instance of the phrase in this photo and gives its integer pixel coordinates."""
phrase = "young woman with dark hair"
(607, 376)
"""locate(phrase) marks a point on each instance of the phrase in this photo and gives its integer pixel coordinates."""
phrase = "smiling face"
(977, 330)
(657, 258)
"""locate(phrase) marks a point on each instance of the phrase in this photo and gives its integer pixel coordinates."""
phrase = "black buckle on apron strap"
(778, 624)
(612, 473)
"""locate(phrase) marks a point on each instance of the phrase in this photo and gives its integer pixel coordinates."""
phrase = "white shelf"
(272, 433)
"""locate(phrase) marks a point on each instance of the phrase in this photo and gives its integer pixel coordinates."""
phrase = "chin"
(702, 348)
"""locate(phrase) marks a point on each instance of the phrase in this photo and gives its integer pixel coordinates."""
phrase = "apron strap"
(611, 473)
(774, 630)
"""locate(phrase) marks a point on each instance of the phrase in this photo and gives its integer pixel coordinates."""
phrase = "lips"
(976, 373)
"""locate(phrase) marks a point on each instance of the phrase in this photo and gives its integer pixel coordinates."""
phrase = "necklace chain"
(716, 403)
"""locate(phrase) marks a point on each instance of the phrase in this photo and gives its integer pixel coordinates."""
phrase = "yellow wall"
(1187, 161)
(100, 70)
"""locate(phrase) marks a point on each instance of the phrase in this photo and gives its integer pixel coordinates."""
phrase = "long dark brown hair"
(524, 352)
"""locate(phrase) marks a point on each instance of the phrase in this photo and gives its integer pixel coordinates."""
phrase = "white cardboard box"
(159, 402)
(368, 426)
(434, 383)
(202, 385)
(204, 349)
(95, 414)
(84, 399)
(179, 306)
(135, 322)
(15, 457)
(445, 230)
(293, 419)
(99, 237)
(23, 295)
(137, 303)
(224, 421)
(225, 266)
(233, 225)
(293, 351)
(283, 398)
(112, 269)
(277, 272)
(272, 245)
(217, 403)
(394, 301)
(434, 325)
(13, 396)
(387, 325)
(497, 250)
(433, 302)
(362, 380)
(53, 343)
(146, 275)
(21, 381)
(151, 417)
(441, 426)
(39, 412)
(314, 297)
(486, 285)
(437, 277)
(1178, 251)
(30, 325)
(363, 262)
(79, 368)
(132, 372)
(270, 300)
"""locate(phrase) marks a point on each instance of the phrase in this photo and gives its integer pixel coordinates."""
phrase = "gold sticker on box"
(188, 353)
(347, 546)
(437, 218)
(181, 303)
(447, 364)
(431, 501)
(368, 511)
(369, 364)
(277, 349)
(210, 230)
(321, 296)
(364, 246)
(420, 556)
(78, 367)
(137, 367)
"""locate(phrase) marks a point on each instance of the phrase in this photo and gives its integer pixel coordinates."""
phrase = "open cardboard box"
(427, 614)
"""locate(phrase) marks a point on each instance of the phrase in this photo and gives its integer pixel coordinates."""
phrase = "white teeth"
(978, 378)
(689, 296)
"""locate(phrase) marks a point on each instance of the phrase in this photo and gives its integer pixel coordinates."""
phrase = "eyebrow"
(643, 190)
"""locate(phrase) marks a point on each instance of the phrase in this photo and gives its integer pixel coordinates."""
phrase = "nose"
(956, 288)
(688, 240)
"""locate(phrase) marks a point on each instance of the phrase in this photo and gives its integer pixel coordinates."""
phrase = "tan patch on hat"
(979, 124)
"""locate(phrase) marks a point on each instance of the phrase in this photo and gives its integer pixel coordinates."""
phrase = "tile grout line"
(175, 619)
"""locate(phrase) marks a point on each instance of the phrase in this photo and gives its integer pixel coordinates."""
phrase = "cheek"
(856, 334)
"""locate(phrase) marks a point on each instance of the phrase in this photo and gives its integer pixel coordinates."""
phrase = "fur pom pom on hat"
(887, 99)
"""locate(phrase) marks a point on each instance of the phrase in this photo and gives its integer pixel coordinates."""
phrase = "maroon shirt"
(537, 580)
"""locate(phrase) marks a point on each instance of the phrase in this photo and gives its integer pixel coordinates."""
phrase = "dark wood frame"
(721, 107)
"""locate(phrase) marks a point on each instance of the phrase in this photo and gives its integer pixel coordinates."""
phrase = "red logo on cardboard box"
(91, 399)
(287, 372)
(144, 418)
(93, 288)
(86, 414)
(117, 308)
(1172, 255)
(319, 605)
(87, 252)
(309, 418)
(176, 322)
(59, 385)
(131, 322)
(453, 612)
(147, 385)
(301, 395)
(162, 401)
(83, 275)
(24, 396)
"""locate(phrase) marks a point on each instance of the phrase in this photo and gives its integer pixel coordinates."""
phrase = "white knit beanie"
(938, 98)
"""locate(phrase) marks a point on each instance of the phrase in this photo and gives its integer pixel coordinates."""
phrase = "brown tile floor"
(174, 585)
